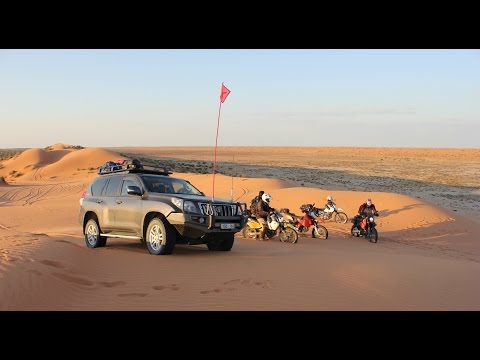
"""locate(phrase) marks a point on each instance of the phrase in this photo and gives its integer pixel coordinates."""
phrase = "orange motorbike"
(304, 223)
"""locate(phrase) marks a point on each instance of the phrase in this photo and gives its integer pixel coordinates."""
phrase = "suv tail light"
(84, 195)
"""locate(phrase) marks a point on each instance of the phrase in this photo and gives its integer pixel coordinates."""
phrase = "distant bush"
(181, 166)
(6, 154)
(78, 147)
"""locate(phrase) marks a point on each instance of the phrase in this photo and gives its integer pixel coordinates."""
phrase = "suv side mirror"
(134, 190)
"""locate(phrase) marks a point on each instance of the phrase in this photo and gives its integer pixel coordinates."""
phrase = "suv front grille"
(218, 209)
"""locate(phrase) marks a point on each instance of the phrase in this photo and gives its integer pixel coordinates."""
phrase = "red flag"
(224, 93)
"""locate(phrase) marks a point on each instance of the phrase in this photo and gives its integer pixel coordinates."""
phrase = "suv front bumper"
(210, 227)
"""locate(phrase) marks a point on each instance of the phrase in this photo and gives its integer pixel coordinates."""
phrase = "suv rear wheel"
(160, 237)
(92, 234)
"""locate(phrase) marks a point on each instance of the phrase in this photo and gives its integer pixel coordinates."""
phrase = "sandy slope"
(427, 258)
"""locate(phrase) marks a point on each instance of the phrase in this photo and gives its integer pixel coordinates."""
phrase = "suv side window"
(113, 186)
(97, 186)
(126, 183)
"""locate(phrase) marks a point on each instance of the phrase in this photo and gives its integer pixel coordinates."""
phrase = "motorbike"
(364, 225)
(333, 212)
(276, 224)
(307, 221)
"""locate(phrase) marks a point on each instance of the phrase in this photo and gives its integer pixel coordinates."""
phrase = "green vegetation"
(181, 166)
(78, 147)
(6, 154)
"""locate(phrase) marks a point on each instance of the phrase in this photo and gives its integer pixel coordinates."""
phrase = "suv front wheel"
(92, 234)
(160, 237)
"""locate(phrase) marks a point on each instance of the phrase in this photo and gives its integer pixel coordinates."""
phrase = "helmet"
(329, 198)
(266, 197)
(369, 202)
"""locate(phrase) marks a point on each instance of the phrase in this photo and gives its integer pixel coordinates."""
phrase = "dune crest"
(59, 146)
(80, 161)
(41, 164)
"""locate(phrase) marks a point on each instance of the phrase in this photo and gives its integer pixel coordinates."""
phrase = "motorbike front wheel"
(288, 235)
(372, 235)
(341, 218)
(320, 232)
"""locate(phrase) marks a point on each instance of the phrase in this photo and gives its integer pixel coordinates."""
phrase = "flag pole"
(223, 95)
(215, 151)
(231, 190)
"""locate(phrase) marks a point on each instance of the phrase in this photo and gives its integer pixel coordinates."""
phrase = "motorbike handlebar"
(369, 214)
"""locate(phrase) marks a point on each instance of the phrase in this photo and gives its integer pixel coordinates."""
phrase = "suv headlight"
(185, 206)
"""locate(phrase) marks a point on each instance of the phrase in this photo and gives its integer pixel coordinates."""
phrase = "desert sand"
(427, 256)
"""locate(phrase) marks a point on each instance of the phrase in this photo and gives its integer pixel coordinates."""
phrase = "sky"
(427, 98)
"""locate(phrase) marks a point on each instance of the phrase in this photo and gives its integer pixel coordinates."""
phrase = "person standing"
(254, 202)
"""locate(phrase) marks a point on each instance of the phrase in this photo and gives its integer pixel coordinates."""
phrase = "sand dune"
(427, 257)
(40, 164)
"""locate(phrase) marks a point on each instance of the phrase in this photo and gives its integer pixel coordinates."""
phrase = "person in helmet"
(367, 208)
(330, 205)
(263, 209)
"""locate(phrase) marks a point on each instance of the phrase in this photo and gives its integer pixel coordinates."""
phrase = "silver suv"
(157, 209)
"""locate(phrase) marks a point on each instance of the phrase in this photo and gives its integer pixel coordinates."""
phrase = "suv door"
(128, 209)
(106, 216)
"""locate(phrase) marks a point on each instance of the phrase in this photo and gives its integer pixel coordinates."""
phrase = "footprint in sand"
(133, 294)
(243, 282)
(53, 263)
(216, 290)
(74, 279)
(250, 282)
(169, 287)
(110, 284)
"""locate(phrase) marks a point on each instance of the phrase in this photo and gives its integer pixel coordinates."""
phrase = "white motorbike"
(332, 212)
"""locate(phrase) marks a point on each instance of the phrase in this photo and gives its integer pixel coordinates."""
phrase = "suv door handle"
(119, 201)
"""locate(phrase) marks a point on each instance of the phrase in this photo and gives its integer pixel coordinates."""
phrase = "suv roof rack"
(133, 166)
(151, 170)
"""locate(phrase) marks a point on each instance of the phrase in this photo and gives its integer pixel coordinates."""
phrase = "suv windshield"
(168, 185)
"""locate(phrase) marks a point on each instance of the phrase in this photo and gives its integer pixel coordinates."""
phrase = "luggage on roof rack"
(130, 165)
(119, 165)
